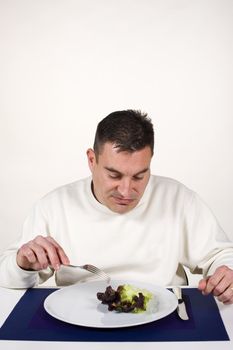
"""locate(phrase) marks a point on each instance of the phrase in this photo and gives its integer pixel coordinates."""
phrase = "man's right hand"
(40, 253)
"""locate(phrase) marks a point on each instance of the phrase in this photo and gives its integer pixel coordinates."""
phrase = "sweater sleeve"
(11, 275)
(205, 246)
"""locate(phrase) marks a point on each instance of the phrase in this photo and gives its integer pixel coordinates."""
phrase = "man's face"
(119, 178)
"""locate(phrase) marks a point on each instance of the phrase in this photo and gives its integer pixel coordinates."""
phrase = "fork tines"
(97, 271)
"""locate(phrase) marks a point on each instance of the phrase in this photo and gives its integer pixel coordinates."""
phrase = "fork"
(92, 269)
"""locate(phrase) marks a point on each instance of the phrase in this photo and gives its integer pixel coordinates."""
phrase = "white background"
(66, 64)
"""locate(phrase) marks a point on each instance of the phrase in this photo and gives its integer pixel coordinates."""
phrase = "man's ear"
(91, 158)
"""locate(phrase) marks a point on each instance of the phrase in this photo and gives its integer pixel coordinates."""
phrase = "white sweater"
(170, 227)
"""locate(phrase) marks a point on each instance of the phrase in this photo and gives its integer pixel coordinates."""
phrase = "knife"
(181, 308)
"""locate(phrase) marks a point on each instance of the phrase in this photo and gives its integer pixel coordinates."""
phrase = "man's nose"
(124, 188)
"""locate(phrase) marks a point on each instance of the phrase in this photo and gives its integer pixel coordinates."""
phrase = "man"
(124, 220)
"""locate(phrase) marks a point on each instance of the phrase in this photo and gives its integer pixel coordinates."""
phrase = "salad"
(126, 298)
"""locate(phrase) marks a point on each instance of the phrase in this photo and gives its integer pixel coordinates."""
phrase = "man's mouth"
(123, 201)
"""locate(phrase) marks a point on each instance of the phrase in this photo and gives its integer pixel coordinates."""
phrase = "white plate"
(78, 304)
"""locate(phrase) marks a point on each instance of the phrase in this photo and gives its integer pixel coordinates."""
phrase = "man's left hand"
(220, 284)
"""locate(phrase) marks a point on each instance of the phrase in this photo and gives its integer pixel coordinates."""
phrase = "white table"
(9, 298)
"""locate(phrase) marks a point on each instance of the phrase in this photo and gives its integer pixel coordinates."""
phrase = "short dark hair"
(129, 130)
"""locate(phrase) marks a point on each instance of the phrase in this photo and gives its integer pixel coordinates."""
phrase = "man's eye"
(114, 176)
(137, 178)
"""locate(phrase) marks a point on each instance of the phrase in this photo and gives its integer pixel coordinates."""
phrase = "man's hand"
(220, 284)
(41, 252)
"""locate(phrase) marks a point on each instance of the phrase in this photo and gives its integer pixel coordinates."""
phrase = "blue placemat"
(29, 321)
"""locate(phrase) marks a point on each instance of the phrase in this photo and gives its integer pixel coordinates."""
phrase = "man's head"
(120, 161)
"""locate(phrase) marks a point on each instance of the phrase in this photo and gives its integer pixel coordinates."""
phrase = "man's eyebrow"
(112, 170)
(141, 172)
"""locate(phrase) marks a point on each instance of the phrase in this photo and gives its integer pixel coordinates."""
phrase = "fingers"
(227, 296)
(62, 255)
(220, 284)
(40, 253)
(202, 284)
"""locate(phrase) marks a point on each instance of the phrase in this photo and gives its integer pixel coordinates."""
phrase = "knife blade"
(181, 308)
